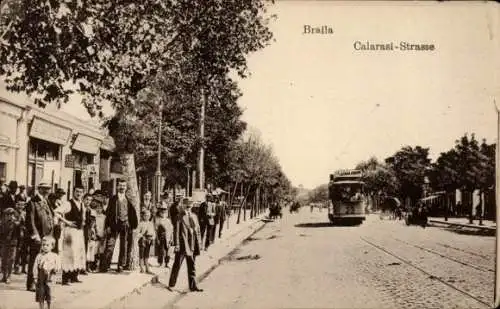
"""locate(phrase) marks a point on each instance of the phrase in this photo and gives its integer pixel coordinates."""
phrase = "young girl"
(47, 263)
(92, 244)
(146, 233)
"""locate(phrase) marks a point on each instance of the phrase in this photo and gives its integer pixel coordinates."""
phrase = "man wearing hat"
(39, 223)
(187, 242)
(9, 199)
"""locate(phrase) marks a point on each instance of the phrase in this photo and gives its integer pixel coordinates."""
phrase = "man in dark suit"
(121, 219)
(187, 242)
(39, 223)
(9, 200)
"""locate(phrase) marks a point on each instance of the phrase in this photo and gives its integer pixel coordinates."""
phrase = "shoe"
(65, 283)
(84, 272)
(119, 270)
(196, 289)
(7, 281)
(149, 272)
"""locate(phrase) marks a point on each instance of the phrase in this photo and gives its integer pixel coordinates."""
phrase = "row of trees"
(468, 166)
(156, 57)
(156, 62)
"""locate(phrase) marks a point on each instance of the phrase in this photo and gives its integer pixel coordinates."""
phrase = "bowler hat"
(60, 191)
(13, 184)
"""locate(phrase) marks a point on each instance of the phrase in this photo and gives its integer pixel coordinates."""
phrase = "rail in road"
(431, 274)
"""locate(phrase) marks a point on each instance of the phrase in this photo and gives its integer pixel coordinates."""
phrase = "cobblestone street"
(302, 261)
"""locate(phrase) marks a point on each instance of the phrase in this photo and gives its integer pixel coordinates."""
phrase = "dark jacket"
(39, 217)
(112, 214)
(10, 233)
(8, 201)
(187, 235)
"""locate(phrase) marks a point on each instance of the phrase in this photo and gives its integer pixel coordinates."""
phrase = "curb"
(489, 228)
(217, 262)
(252, 228)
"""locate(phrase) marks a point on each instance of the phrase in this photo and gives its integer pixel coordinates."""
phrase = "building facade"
(52, 146)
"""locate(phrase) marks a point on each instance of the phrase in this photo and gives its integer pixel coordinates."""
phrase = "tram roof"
(345, 182)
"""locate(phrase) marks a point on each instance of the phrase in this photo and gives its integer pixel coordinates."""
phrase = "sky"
(324, 106)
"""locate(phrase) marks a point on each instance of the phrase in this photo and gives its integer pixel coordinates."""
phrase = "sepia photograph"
(183, 154)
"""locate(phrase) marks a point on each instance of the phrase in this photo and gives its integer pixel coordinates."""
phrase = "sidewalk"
(464, 222)
(100, 290)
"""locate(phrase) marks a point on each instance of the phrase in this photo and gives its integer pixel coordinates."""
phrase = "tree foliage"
(411, 166)
(378, 177)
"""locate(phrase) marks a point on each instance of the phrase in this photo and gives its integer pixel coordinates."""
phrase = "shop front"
(45, 143)
(84, 160)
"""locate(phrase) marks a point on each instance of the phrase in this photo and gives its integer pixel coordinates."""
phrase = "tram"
(347, 201)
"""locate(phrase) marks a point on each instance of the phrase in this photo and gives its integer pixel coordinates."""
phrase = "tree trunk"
(128, 163)
(239, 208)
(243, 202)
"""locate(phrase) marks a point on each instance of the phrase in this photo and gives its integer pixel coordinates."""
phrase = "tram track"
(480, 268)
(430, 275)
(464, 251)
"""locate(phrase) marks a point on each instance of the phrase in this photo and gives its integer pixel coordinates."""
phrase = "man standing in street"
(121, 219)
(39, 223)
(187, 242)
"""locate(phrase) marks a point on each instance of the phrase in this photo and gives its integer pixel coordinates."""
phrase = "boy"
(46, 264)
(10, 234)
(146, 234)
(22, 248)
(164, 232)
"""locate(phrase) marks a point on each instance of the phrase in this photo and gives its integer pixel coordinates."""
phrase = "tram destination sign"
(349, 173)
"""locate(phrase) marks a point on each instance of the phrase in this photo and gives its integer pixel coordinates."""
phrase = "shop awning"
(108, 144)
(87, 144)
(49, 131)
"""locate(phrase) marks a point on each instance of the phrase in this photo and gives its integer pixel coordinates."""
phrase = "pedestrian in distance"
(187, 243)
(39, 223)
(46, 265)
(220, 213)
(10, 234)
(146, 235)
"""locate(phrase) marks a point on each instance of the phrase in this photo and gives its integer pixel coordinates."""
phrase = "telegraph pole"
(201, 157)
(497, 211)
(158, 165)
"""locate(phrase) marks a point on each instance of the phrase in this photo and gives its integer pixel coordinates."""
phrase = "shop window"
(82, 159)
(43, 150)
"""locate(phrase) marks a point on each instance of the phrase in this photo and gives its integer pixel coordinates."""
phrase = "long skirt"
(72, 251)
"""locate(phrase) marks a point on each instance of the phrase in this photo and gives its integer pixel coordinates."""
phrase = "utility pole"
(188, 180)
(158, 165)
(201, 157)
(497, 202)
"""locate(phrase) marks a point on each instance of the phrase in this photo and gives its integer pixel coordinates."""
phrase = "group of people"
(47, 232)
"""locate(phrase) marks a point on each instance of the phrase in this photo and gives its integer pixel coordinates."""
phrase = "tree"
(111, 51)
(410, 166)
(378, 177)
